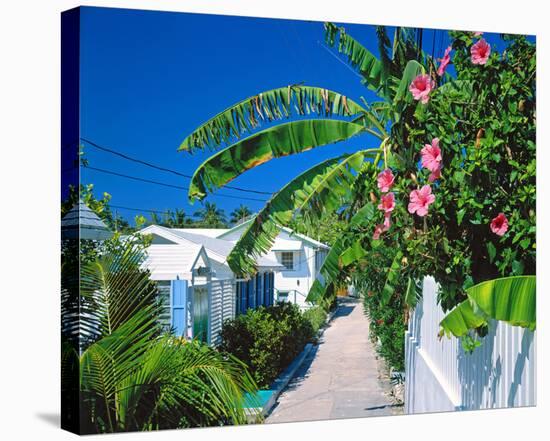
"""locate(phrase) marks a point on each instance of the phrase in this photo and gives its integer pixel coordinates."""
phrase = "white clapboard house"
(198, 288)
(301, 258)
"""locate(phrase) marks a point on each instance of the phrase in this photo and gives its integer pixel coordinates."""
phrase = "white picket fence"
(441, 376)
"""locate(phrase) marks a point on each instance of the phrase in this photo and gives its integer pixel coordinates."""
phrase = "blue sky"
(148, 79)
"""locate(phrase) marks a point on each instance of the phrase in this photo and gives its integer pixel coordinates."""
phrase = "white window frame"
(283, 253)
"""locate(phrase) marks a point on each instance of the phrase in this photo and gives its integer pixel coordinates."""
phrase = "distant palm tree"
(211, 216)
(172, 219)
(177, 219)
(240, 214)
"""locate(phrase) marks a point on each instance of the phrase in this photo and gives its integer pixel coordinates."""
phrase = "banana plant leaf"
(391, 279)
(320, 189)
(412, 70)
(275, 142)
(370, 67)
(331, 268)
(461, 320)
(509, 299)
(413, 293)
(276, 104)
(352, 253)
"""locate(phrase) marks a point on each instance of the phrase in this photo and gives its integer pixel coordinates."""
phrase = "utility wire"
(158, 167)
(148, 210)
(340, 60)
(164, 184)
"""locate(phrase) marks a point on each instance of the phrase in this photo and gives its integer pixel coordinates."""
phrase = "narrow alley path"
(340, 377)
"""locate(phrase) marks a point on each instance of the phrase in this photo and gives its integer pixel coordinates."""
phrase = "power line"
(148, 210)
(130, 158)
(164, 169)
(164, 184)
(340, 60)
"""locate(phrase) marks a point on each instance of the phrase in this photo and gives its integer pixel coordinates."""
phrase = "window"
(287, 259)
(282, 296)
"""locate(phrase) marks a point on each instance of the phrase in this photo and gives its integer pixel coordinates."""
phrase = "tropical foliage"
(509, 299)
(210, 216)
(317, 317)
(267, 339)
(449, 192)
(132, 375)
(101, 207)
(240, 214)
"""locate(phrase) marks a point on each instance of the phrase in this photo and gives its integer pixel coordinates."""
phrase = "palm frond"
(114, 287)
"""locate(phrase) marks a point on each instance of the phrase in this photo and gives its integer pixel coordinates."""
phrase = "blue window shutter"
(251, 300)
(237, 298)
(244, 298)
(241, 297)
(258, 283)
(271, 292)
(178, 306)
(266, 289)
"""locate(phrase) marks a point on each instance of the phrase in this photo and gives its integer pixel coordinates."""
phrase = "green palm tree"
(177, 219)
(319, 117)
(134, 377)
(240, 214)
(210, 216)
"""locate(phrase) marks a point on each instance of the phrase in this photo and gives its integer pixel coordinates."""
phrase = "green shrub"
(387, 325)
(267, 339)
(316, 316)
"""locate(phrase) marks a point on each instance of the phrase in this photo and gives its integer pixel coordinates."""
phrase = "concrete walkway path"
(340, 377)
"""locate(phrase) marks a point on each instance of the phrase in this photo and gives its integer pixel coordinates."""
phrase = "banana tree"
(318, 117)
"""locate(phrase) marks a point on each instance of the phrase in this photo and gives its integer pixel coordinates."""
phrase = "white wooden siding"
(222, 307)
(440, 376)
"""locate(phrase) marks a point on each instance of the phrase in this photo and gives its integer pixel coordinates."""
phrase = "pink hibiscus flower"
(444, 61)
(499, 225)
(378, 230)
(420, 200)
(480, 52)
(385, 180)
(421, 87)
(387, 203)
(387, 221)
(382, 228)
(435, 175)
(431, 156)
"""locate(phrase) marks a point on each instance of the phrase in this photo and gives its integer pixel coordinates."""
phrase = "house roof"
(168, 262)
(217, 249)
(302, 237)
(210, 232)
(287, 245)
(81, 222)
